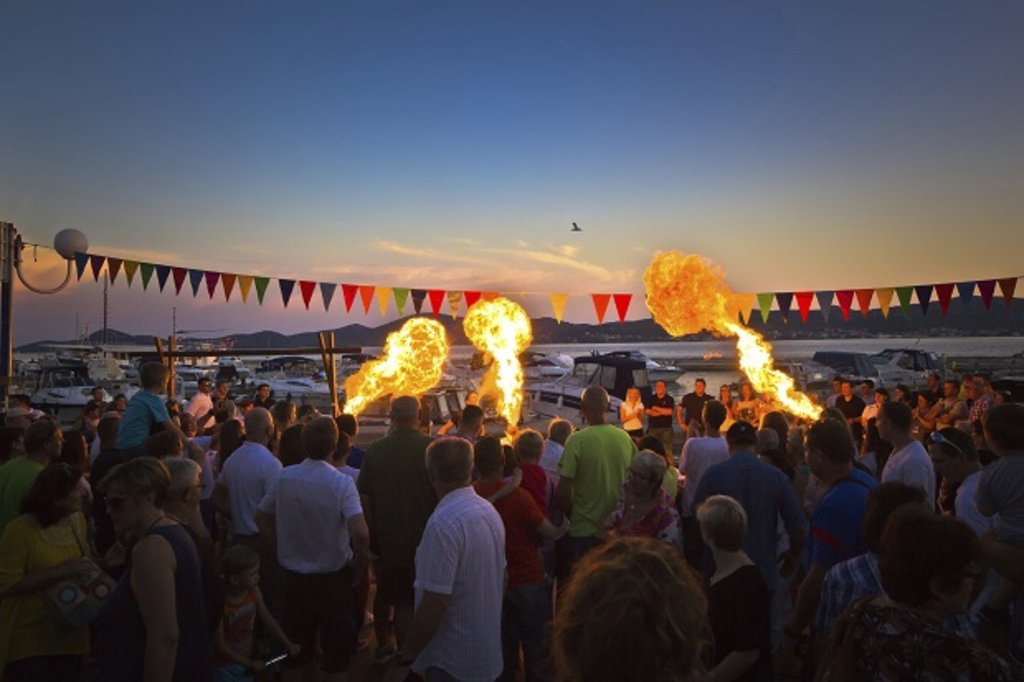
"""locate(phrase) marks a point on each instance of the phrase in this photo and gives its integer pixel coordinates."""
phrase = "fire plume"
(687, 294)
(411, 364)
(502, 330)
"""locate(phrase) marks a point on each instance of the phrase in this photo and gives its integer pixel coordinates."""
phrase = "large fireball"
(502, 330)
(687, 294)
(412, 364)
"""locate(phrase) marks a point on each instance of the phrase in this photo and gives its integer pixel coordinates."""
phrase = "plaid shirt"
(859, 577)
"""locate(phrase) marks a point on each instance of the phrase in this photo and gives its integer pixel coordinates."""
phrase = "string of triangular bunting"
(766, 303)
(366, 294)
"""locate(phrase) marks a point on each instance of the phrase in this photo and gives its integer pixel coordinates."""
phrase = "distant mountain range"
(970, 320)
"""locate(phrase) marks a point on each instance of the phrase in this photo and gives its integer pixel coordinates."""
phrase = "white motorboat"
(64, 390)
(545, 365)
(617, 372)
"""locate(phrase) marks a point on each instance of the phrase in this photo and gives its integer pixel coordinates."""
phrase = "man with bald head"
(248, 474)
(591, 473)
(397, 500)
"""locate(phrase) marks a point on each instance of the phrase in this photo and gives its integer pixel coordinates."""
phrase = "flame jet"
(411, 364)
(501, 329)
(687, 294)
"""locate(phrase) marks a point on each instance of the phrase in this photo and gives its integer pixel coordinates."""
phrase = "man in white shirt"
(698, 455)
(323, 544)
(201, 404)
(881, 396)
(246, 478)
(460, 574)
(909, 462)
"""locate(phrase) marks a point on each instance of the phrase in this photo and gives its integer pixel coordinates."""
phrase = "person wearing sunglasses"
(154, 625)
(45, 545)
(955, 459)
(43, 443)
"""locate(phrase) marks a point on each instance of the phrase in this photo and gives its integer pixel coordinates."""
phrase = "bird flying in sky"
(576, 228)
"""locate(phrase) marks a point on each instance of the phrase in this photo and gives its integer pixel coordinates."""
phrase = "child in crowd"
(243, 602)
(341, 454)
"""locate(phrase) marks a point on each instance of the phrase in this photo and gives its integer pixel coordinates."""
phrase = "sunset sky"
(442, 144)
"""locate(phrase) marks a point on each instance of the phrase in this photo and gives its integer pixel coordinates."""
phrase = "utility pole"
(106, 283)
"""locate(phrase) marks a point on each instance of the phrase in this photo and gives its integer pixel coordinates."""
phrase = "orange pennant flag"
(601, 305)
(885, 299)
(490, 295)
(227, 280)
(383, 294)
(244, 285)
(558, 305)
(366, 294)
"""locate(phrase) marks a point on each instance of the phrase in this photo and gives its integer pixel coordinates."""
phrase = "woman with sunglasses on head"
(44, 546)
(955, 459)
(153, 627)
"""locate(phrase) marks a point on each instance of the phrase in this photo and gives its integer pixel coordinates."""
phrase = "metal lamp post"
(67, 243)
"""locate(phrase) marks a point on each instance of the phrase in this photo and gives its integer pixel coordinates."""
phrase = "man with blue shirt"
(765, 494)
(837, 526)
(146, 413)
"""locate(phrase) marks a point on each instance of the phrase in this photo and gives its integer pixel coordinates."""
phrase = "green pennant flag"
(401, 296)
(904, 294)
(261, 287)
(147, 274)
(764, 302)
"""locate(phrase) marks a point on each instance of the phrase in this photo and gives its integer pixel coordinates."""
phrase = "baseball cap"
(741, 432)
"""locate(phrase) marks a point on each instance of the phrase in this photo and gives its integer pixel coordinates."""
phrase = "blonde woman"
(631, 414)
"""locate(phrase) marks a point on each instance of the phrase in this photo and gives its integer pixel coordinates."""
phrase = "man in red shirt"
(527, 606)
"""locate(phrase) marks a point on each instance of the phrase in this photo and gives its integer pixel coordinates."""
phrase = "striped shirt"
(462, 554)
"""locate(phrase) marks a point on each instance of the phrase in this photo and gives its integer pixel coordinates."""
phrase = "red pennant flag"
(845, 299)
(97, 264)
(1007, 286)
(113, 267)
(307, 289)
(864, 300)
(471, 298)
(349, 291)
(622, 305)
(945, 292)
(986, 288)
(228, 283)
(179, 278)
(803, 303)
(366, 294)
(601, 305)
(211, 282)
(436, 299)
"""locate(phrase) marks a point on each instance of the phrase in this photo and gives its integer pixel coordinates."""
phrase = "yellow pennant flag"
(455, 302)
(244, 285)
(383, 294)
(558, 305)
(743, 304)
(884, 299)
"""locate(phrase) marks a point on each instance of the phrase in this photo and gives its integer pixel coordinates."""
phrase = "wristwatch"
(402, 660)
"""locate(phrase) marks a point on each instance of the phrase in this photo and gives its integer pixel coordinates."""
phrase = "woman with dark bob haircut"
(633, 610)
(44, 546)
(929, 566)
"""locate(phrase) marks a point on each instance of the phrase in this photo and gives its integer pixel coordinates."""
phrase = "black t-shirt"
(852, 409)
(665, 422)
(738, 608)
(693, 405)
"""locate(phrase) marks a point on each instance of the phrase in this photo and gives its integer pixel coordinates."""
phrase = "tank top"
(239, 623)
(121, 634)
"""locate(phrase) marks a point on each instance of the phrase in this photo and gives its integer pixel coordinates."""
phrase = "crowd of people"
(246, 539)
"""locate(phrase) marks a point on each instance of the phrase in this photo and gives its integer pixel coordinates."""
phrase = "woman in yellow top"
(42, 547)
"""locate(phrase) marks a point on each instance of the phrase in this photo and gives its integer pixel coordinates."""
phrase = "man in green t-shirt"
(43, 442)
(591, 472)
